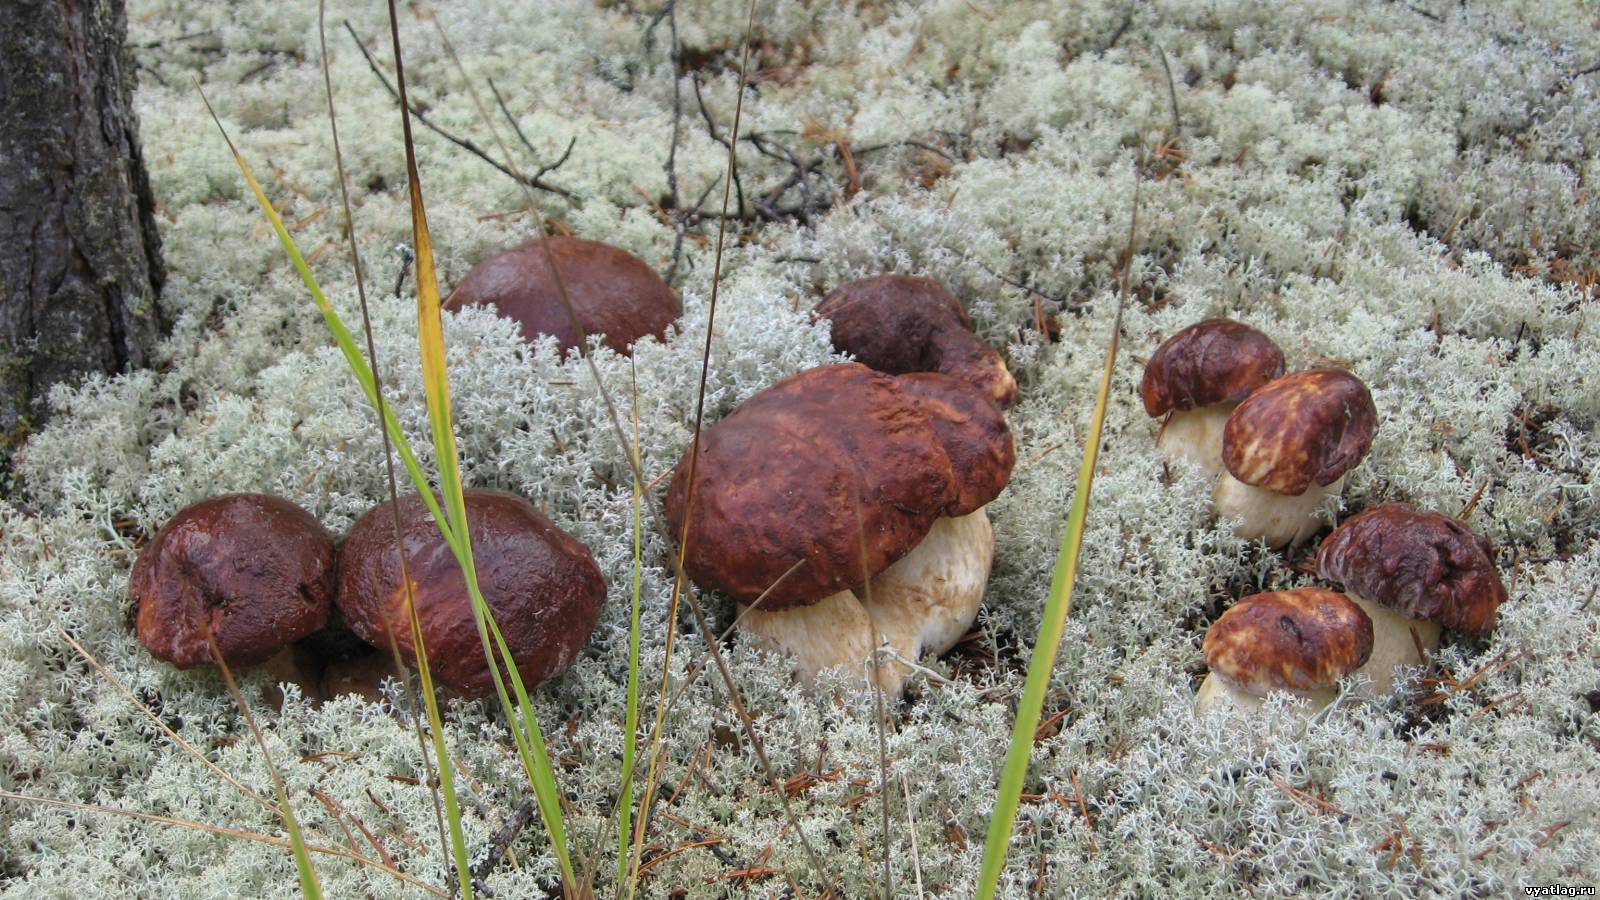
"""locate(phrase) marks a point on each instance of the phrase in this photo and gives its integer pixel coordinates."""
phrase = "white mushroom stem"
(1393, 643)
(1217, 694)
(1277, 519)
(835, 632)
(927, 600)
(923, 603)
(1196, 435)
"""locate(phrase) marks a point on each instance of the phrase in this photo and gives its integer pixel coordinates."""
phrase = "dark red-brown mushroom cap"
(1420, 564)
(541, 583)
(1295, 640)
(614, 292)
(1213, 361)
(973, 433)
(900, 324)
(1311, 426)
(815, 470)
(254, 569)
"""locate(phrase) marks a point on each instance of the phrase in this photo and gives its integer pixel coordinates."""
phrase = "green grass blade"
(368, 382)
(1053, 624)
(630, 719)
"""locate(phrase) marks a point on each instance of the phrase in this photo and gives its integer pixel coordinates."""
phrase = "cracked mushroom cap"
(900, 324)
(1295, 640)
(256, 570)
(541, 583)
(973, 433)
(823, 465)
(614, 292)
(1214, 361)
(1420, 564)
(1311, 426)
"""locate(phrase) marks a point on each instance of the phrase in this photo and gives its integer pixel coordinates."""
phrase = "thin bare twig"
(461, 142)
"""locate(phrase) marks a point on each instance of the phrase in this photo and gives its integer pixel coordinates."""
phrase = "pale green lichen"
(1400, 188)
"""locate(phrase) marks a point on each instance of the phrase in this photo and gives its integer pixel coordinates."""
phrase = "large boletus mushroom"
(1301, 641)
(614, 293)
(1413, 572)
(871, 489)
(1197, 377)
(900, 324)
(1288, 446)
(252, 573)
(541, 583)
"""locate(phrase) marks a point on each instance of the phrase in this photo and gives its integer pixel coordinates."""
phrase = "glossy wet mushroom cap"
(541, 583)
(900, 324)
(614, 292)
(256, 570)
(810, 470)
(1213, 361)
(1422, 565)
(1297, 640)
(1302, 429)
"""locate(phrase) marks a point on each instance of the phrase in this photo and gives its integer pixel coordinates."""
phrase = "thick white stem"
(1217, 694)
(1196, 435)
(1393, 643)
(1277, 519)
(928, 599)
(833, 633)
(923, 603)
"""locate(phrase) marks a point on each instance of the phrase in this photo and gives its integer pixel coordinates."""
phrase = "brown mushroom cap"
(1420, 564)
(256, 570)
(900, 324)
(973, 433)
(614, 292)
(1213, 361)
(1295, 640)
(1310, 426)
(818, 467)
(541, 583)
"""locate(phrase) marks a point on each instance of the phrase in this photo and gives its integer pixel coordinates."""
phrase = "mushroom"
(1301, 641)
(1199, 376)
(899, 324)
(614, 293)
(850, 503)
(541, 584)
(251, 573)
(1413, 572)
(1286, 447)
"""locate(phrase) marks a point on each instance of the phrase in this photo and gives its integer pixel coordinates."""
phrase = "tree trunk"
(80, 259)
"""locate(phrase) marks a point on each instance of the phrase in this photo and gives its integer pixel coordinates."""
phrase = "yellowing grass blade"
(436, 386)
(1052, 625)
(363, 374)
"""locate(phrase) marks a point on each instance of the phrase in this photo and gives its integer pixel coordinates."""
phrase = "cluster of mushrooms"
(842, 508)
(1279, 445)
(254, 579)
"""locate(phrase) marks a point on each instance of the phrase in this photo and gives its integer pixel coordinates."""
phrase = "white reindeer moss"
(1406, 190)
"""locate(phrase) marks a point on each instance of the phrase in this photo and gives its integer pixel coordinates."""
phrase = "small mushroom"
(614, 293)
(1301, 641)
(251, 572)
(1197, 377)
(1288, 446)
(1413, 572)
(542, 585)
(875, 486)
(899, 324)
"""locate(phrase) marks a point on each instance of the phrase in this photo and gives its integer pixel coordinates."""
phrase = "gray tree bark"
(80, 259)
